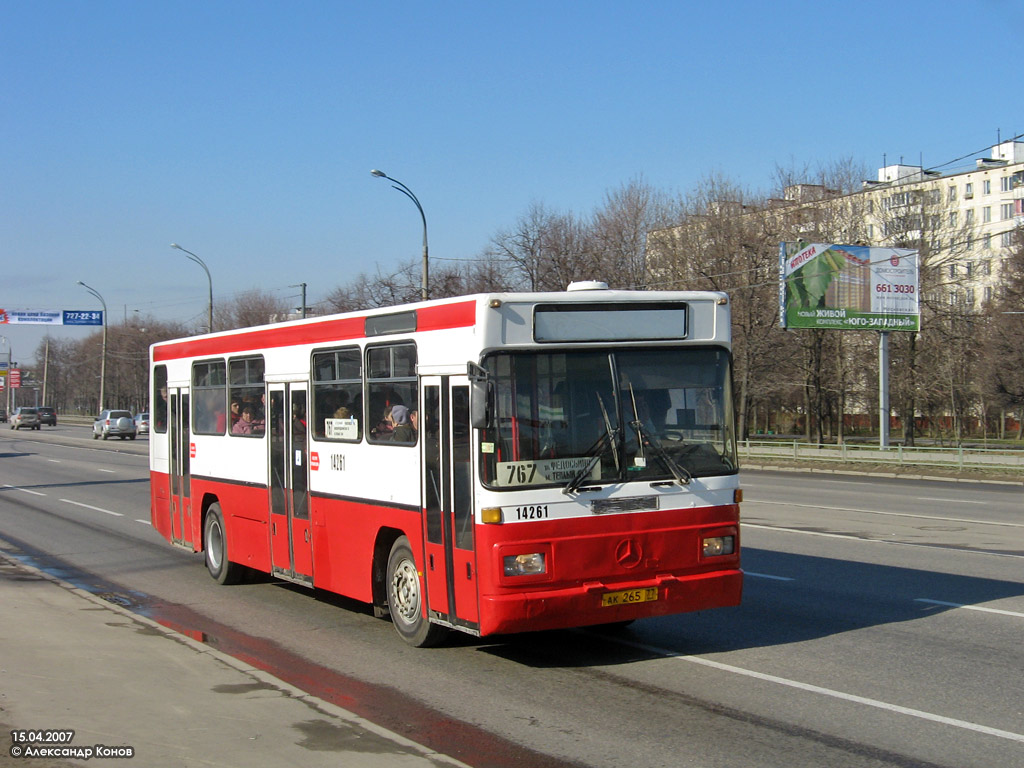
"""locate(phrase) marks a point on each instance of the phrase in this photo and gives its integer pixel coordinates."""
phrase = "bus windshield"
(582, 418)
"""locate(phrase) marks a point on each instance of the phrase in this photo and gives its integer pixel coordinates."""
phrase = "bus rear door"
(291, 548)
(180, 444)
(447, 497)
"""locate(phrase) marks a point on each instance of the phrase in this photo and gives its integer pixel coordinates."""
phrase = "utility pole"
(303, 307)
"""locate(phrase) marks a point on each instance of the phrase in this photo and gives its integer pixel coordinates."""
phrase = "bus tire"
(405, 598)
(215, 544)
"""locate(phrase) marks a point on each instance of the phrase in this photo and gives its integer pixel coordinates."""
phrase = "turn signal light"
(490, 514)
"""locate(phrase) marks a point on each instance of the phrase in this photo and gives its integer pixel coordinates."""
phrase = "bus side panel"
(605, 554)
(246, 519)
(345, 532)
(160, 503)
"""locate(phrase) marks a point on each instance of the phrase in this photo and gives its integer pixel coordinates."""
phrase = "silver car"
(114, 423)
(25, 417)
(142, 423)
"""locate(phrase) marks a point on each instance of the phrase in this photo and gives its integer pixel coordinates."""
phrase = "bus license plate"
(627, 596)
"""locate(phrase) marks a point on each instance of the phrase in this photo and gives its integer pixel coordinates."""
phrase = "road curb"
(260, 676)
(862, 473)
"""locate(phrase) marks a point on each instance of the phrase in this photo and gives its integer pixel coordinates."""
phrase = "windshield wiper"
(682, 476)
(608, 438)
(612, 433)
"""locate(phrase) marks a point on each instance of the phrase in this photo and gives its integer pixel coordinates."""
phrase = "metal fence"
(960, 458)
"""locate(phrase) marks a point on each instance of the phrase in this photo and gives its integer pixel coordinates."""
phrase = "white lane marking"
(1017, 614)
(24, 490)
(920, 714)
(144, 522)
(851, 537)
(767, 576)
(888, 514)
(762, 484)
(89, 506)
(54, 461)
(111, 471)
(953, 501)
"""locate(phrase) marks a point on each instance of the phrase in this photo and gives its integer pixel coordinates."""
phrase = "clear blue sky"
(246, 130)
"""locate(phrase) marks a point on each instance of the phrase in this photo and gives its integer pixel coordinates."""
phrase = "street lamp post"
(396, 184)
(103, 358)
(209, 280)
(7, 379)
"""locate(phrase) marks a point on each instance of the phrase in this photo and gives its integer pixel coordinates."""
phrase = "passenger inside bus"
(244, 425)
(401, 428)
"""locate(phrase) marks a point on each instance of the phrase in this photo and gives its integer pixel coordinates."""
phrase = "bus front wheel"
(216, 545)
(405, 598)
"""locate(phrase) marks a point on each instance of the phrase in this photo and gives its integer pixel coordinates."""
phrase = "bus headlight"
(525, 565)
(719, 545)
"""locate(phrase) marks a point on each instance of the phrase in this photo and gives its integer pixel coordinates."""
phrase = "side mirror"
(479, 396)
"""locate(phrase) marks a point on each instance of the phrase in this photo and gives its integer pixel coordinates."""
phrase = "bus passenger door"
(291, 547)
(180, 453)
(447, 500)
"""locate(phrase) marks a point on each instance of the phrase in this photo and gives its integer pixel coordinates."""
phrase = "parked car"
(3, 414)
(114, 423)
(25, 417)
(47, 415)
(142, 423)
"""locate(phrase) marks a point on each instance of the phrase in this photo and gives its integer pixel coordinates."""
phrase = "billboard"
(50, 317)
(848, 287)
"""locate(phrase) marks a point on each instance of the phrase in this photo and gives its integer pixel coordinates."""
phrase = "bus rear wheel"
(215, 542)
(405, 598)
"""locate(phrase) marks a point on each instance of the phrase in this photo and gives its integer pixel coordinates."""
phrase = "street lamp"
(7, 379)
(396, 184)
(103, 359)
(201, 263)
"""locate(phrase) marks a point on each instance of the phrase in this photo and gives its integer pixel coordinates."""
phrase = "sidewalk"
(69, 660)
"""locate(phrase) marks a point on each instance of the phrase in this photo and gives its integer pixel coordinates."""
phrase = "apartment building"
(962, 222)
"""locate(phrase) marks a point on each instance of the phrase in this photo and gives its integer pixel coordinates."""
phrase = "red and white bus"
(494, 463)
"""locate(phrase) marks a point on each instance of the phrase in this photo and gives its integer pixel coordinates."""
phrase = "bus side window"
(245, 393)
(158, 399)
(338, 394)
(391, 381)
(209, 398)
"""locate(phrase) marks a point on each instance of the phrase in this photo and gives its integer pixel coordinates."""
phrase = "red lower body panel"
(581, 606)
(657, 556)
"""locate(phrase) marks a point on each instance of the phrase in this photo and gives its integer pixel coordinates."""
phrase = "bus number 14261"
(533, 512)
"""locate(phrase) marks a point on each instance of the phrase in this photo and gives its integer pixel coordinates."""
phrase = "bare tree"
(619, 232)
(73, 366)
(253, 307)
(724, 241)
(543, 251)
(1003, 356)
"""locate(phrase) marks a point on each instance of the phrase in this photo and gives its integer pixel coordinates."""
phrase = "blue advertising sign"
(50, 317)
(83, 317)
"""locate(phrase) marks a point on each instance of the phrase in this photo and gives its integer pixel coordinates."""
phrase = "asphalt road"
(880, 626)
